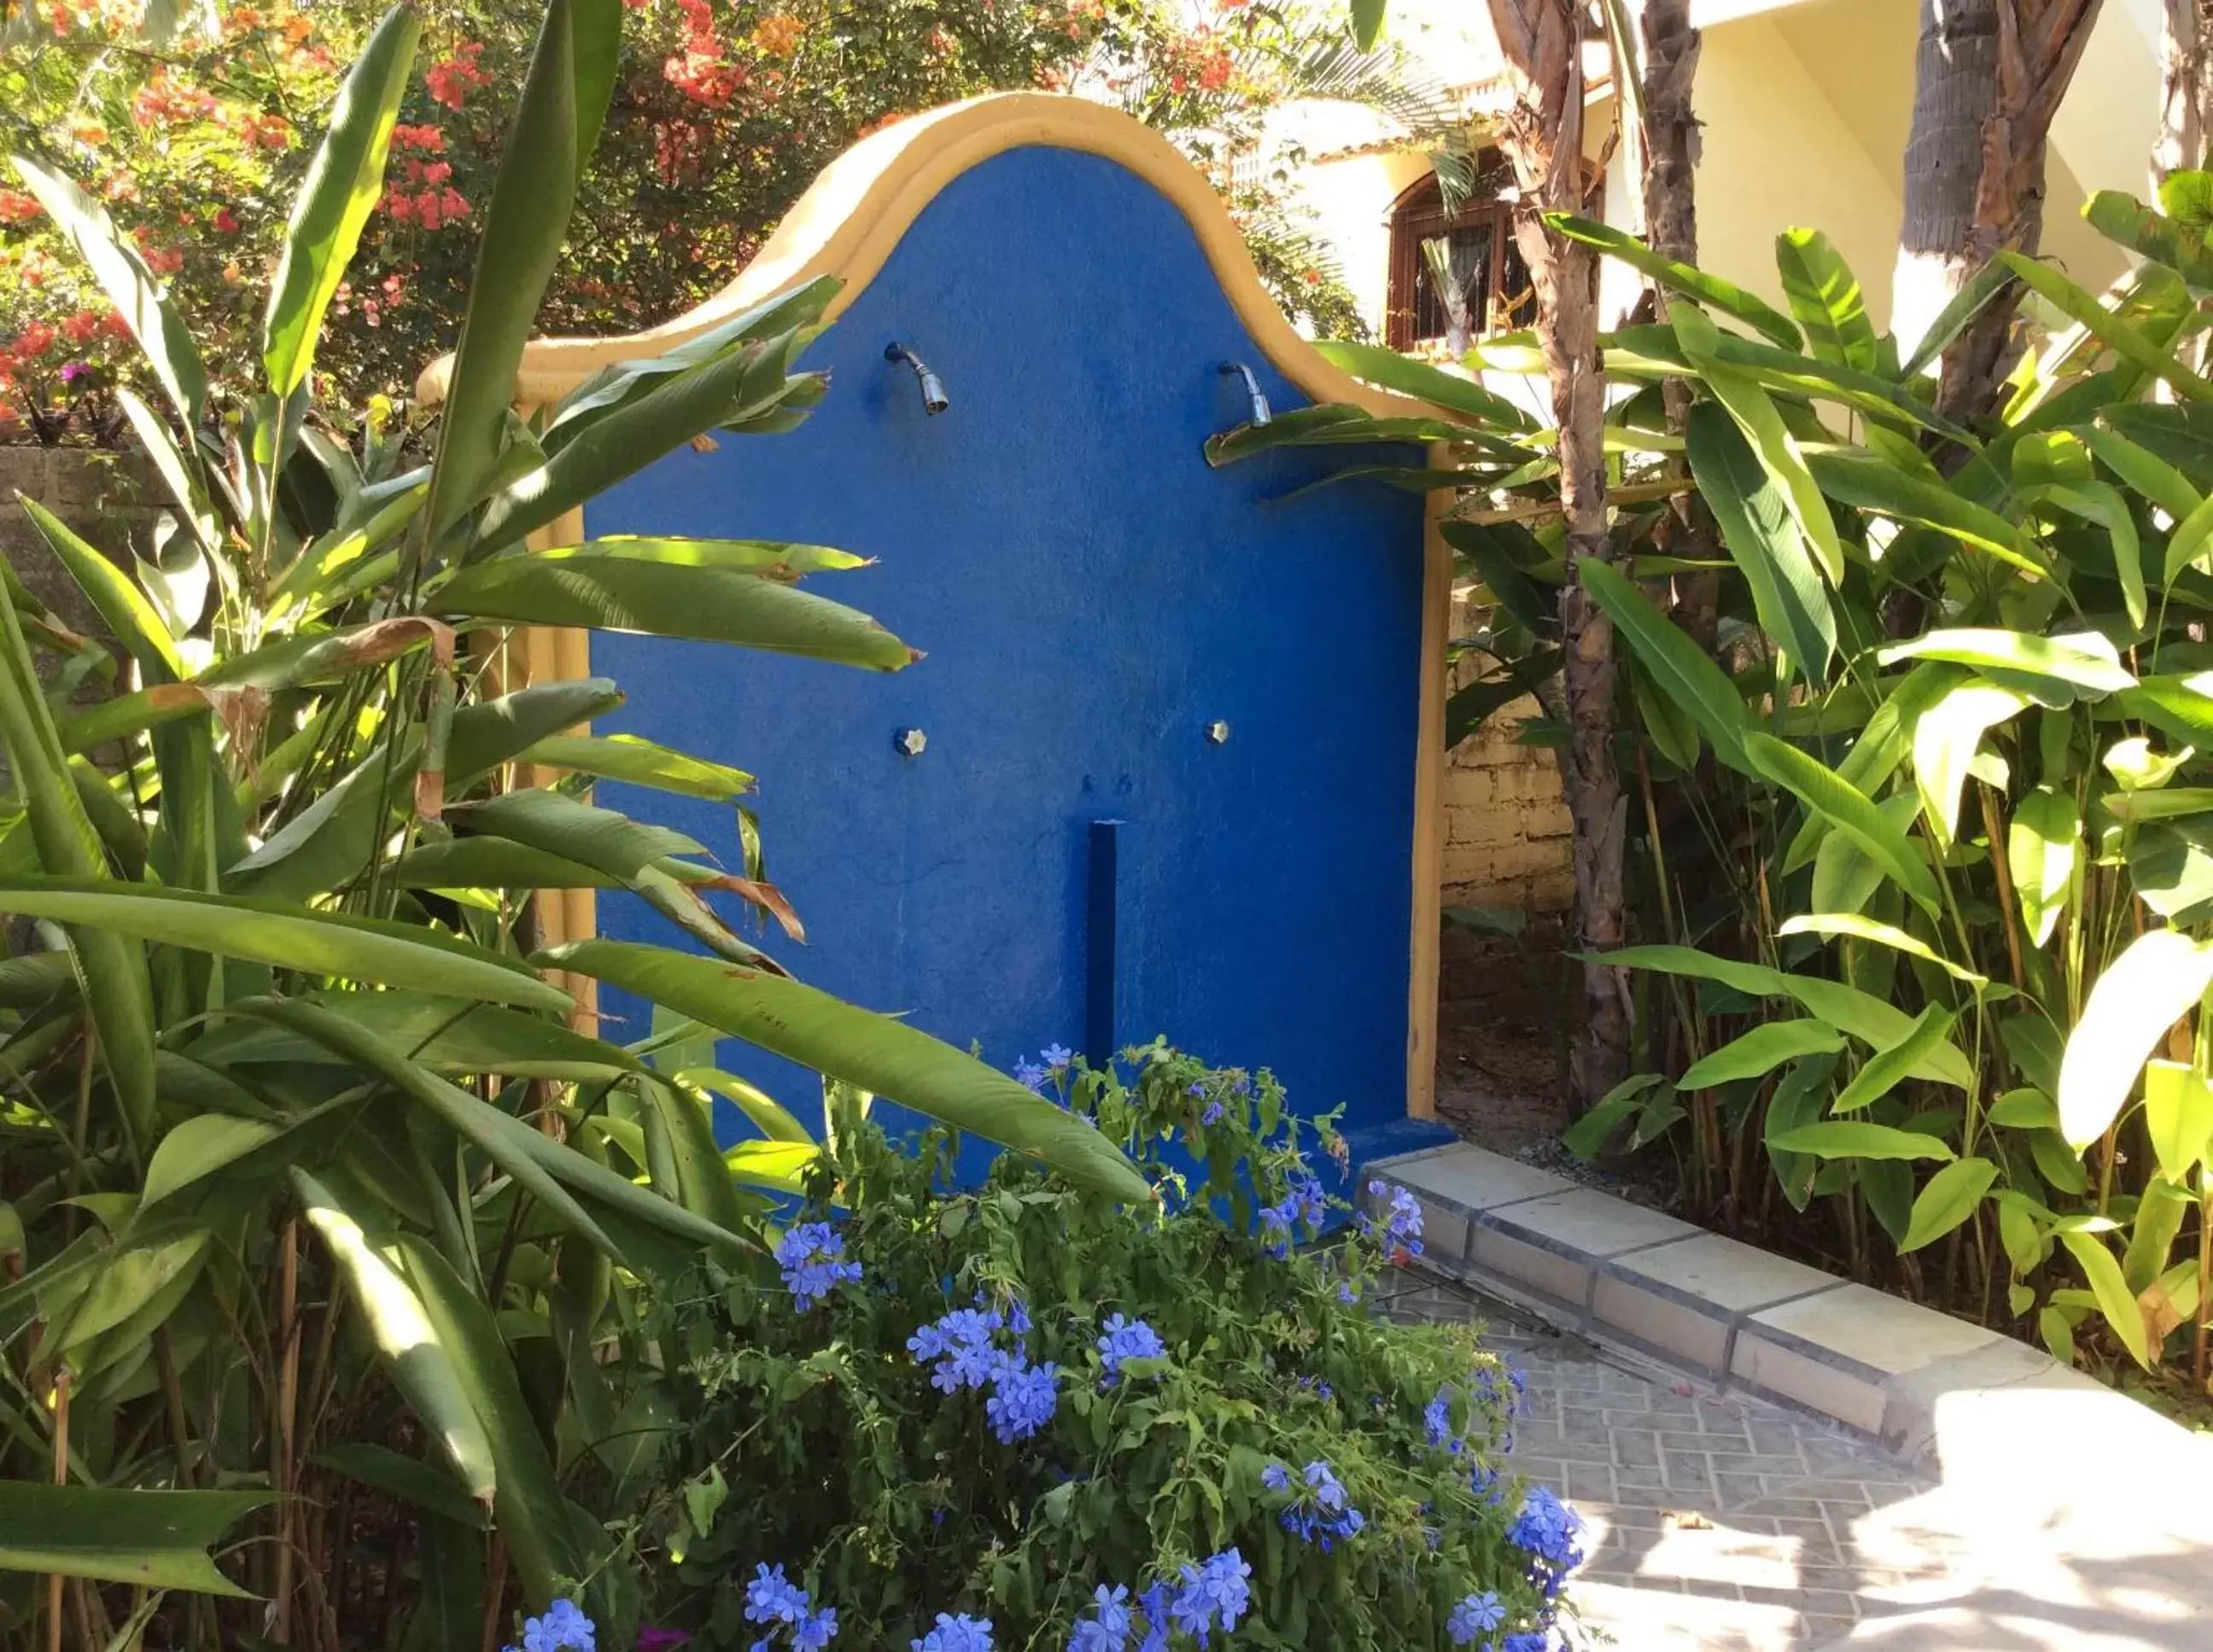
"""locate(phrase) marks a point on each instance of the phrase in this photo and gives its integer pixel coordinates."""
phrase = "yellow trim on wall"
(860, 205)
(1426, 945)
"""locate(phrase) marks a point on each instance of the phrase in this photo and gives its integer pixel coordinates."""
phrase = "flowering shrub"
(724, 111)
(1017, 1417)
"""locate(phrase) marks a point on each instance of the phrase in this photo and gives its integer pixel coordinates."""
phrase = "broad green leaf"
(1872, 483)
(553, 1171)
(1393, 371)
(1847, 808)
(2052, 670)
(534, 1517)
(873, 1053)
(781, 1167)
(1467, 706)
(197, 1147)
(1368, 18)
(2142, 993)
(1890, 1066)
(409, 1479)
(1589, 1134)
(115, 263)
(422, 1368)
(2025, 1109)
(1490, 548)
(499, 731)
(1857, 1015)
(2084, 308)
(2181, 247)
(493, 864)
(2103, 503)
(2116, 1301)
(2179, 707)
(1948, 1200)
(133, 1275)
(436, 1033)
(1882, 935)
(1973, 297)
(130, 618)
(556, 824)
(2043, 841)
(2160, 1212)
(334, 200)
(1825, 296)
(1684, 671)
(1799, 1098)
(2186, 545)
(1881, 748)
(1849, 1139)
(2145, 470)
(2178, 1116)
(1763, 538)
(532, 198)
(765, 1114)
(1724, 296)
(1946, 738)
(748, 387)
(713, 605)
(286, 937)
(118, 991)
(143, 1539)
(1761, 421)
(596, 51)
(1760, 1051)
(641, 762)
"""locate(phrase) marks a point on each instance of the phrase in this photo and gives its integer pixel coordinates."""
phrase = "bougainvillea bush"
(1012, 1416)
(192, 125)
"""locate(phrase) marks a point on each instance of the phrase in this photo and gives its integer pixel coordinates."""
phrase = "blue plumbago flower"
(961, 1634)
(1479, 1615)
(1212, 1116)
(1023, 1398)
(1309, 1199)
(1346, 1294)
(1486, 1484)
(1018, 1317)
(1155, 1603)
(1029, 1074)
(813, 1258)
(1276, 1229)
(1402, 1223)
(1120, 1340)
(1529, 1640)
(772, 1598)
(1214, 1594)
(1437, 1417)
(1318, 1387)
(563, 1629)
(1107, 1628)
(960, 1344)
(1319, 1512)
(1551, 1533)
(1056, 1057)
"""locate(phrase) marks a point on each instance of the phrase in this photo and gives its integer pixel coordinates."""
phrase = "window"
(1437, 255)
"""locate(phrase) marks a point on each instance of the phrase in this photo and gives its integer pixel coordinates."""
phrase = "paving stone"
(1594, 1224)
(1474, 1179)
(1724, 1272)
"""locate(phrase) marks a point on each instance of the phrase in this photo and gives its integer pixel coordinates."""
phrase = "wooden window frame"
(1418, 215)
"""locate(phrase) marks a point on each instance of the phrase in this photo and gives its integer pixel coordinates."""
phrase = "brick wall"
(1508, 837)
(102, 495)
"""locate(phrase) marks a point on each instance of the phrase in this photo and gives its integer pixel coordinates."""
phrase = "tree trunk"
(1988, 78)
(1669, 151)
(2183, 89)
(1543, 137)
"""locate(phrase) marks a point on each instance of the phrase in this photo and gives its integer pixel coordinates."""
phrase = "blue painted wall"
(1090, 596)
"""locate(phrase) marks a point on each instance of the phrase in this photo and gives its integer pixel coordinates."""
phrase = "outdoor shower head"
(1255, 398)
(934, 398)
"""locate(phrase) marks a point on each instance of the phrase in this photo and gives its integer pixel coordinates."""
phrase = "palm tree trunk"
(2184, 88)
(1543, 137)
(1988, 78)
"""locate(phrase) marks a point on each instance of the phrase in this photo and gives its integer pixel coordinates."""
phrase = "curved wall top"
(858, 209)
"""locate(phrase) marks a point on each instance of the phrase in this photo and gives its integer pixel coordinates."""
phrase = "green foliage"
(311, 1197)
(815, 1440)
(1941, 781)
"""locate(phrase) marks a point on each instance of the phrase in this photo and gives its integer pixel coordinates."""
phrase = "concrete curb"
(1737, 1316)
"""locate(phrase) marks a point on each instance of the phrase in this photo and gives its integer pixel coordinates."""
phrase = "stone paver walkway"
(1717, 1523)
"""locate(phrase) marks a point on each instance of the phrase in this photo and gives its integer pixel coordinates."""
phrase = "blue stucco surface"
(1090, 596)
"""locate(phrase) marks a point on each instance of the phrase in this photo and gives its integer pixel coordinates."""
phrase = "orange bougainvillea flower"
(778, 36)
(82, 327)
(90, 133)
(16, 207)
